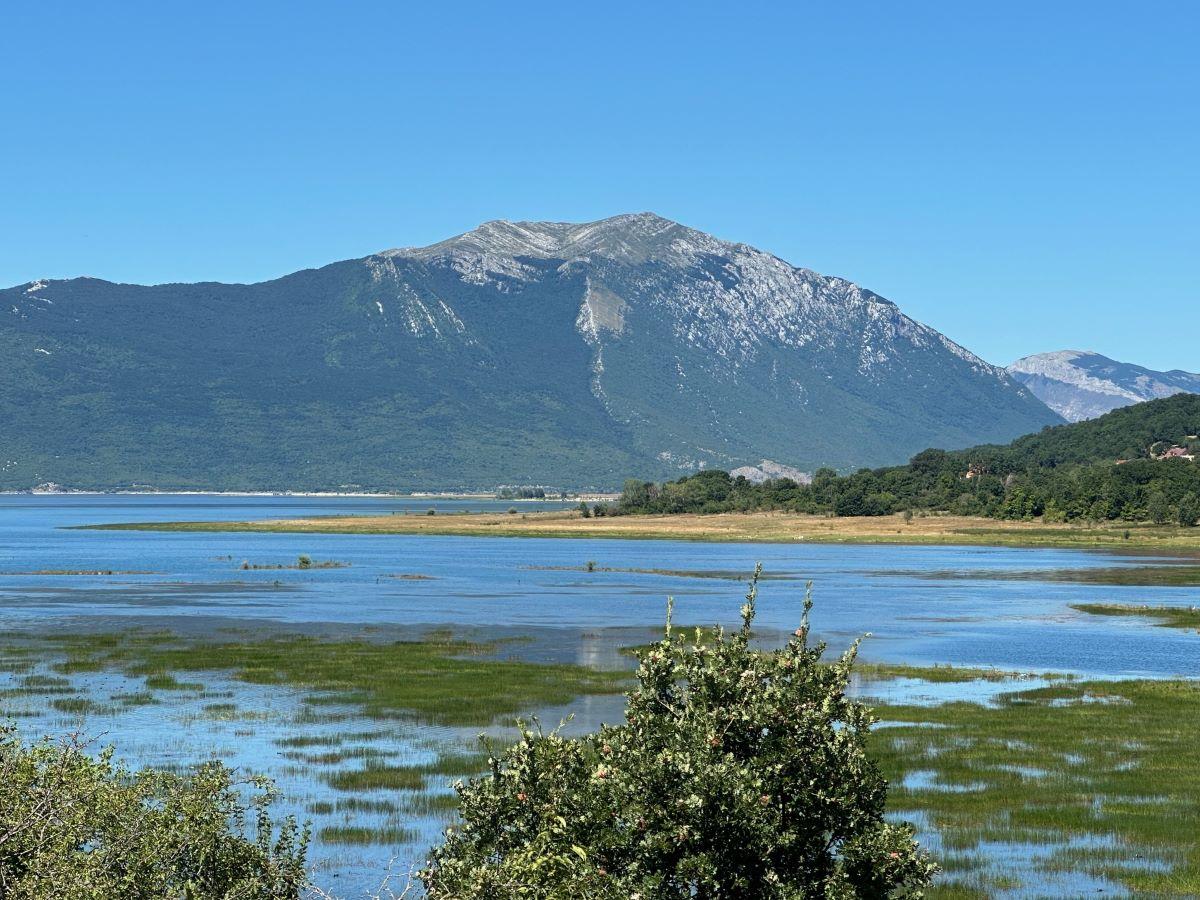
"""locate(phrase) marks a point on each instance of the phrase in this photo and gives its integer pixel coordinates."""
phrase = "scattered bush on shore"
(82, 826)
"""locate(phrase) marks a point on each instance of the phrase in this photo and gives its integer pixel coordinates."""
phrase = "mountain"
(518, 353)
(1078, 384)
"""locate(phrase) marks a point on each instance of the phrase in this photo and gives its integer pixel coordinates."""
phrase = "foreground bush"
(82, 827)
(737, 775)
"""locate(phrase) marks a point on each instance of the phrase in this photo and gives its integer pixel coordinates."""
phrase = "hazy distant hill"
(1082, 385)
(518, 353)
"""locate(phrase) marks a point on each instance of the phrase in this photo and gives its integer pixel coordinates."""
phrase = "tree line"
(1105, 469)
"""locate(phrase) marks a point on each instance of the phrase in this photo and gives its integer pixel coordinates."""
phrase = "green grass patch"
(140, 698)
(438, 680)
(74, 705)
(1104, 775)
(366, 805)
(377, 775)
(361, 836)
(938, 674)
(310, 740)
(428, 803)
(165, 681)
(1167, 616)
(1173, 575)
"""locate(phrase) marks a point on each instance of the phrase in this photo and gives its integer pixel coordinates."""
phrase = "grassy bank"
(1167, 616)
(1076, 780)
(753, 527)
(437, 680)
(1101, 780)
(365, 736)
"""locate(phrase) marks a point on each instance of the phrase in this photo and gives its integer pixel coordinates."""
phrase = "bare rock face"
(768, 470)
(518, 353)
(1079, 384)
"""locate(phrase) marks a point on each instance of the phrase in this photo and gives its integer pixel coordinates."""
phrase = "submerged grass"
(938, 674)
(84, 572)
(439, 680)
(1168, 616)
(717, 574)
(376, 775)
(360, 836)
(1172, 575)
(1103, 777)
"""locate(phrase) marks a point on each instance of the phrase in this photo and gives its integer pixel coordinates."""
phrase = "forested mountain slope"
(518, 353)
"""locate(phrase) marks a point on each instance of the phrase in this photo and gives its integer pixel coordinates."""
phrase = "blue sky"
(1022, 176)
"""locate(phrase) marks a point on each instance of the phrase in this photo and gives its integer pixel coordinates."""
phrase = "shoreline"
(594, 496)
(721, 528)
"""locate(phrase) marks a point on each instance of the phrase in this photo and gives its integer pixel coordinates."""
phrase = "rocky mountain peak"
(631, 238)
(1083, 384)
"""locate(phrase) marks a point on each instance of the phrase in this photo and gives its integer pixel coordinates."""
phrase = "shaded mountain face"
(518, 353)
(1082, 385)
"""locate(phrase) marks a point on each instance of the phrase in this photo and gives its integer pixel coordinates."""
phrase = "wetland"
(1036, 723)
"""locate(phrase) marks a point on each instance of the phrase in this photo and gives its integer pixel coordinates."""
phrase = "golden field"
(772, 527)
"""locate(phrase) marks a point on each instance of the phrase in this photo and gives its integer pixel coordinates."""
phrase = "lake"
(974, 606)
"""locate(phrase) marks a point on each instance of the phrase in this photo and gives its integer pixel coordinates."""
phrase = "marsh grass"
(358, 835)
(431, 803)
(1167, 616)
(437, 679)
(940, 674)
(304, 564)
(1103, 776)
(366, 805)
(139, 698)
(377, 775)
(165, 681)
(716, 574)
(1173, 575)
(310, 740)
(74, 705)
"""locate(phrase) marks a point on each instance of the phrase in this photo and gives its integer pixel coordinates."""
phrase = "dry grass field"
(750, 527)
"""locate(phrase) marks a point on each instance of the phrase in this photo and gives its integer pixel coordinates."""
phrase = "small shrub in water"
(738, 775)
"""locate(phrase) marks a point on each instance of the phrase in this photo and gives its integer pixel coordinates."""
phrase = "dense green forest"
(1131, 464)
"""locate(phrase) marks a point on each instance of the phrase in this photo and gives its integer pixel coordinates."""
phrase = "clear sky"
(1022, 176)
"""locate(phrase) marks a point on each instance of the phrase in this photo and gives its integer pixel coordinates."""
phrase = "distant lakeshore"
(760, 527)
(384, 495)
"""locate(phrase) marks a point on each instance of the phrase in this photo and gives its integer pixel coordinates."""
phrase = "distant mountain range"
(569, 355)
(1078, 384)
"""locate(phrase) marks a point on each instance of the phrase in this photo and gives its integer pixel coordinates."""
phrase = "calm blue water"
(487, 583)
(488, 586)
